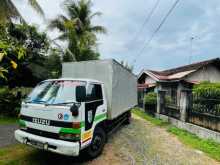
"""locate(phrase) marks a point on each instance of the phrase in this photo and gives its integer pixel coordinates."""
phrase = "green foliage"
(9, 10)
(53, 64)
(207, 90)
(209, 146)
(7, 120)
(77, 29)
(150, 98)
(21, 47)
(10, 100)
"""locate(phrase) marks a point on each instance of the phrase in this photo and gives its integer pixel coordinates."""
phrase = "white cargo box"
(120, 84)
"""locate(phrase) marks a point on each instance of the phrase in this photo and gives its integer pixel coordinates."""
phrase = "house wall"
(209, 73)
(149, 80)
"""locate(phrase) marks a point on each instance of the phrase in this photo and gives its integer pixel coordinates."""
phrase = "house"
(174, 80)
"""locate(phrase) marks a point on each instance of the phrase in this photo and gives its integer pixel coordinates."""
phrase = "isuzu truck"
(77, 112)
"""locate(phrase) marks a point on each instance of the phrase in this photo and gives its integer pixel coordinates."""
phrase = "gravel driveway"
(137, 143)
(143, 143)
(7, 134)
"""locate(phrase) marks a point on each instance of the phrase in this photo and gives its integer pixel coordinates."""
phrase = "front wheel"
(97, 144)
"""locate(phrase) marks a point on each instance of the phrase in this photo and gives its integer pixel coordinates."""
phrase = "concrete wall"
(199, 131)
(209, 73)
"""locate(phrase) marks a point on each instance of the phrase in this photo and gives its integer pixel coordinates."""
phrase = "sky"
(123, 19)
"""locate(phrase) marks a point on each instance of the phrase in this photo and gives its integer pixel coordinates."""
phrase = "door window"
(94, 92)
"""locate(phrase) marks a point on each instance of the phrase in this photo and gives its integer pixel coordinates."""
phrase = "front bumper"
(53, 145)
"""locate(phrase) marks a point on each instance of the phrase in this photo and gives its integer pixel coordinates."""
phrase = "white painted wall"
(208, 73)
(149, 80)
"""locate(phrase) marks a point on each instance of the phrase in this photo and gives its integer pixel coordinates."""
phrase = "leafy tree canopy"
(21, 46)
(78, 30)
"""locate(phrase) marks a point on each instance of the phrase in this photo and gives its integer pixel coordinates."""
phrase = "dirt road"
(7, 134)
(138, 143)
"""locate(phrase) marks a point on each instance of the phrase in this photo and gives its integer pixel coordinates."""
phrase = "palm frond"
(35, 5)
(96, 14)
(7, 11)
(98, 29)
(58, 23)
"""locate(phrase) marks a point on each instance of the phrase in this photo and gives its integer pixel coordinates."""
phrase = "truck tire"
(128, 118)
(97, 144)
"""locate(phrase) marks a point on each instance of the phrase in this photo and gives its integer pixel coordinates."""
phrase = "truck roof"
(76, 79)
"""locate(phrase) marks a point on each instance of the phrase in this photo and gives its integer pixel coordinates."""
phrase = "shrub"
(206, 96)
(207, 90)
(10, 100)
(150, 98)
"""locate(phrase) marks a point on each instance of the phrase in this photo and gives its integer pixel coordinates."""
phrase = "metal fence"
(205, 112)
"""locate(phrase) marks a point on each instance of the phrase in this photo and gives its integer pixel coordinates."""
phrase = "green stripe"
(21, 123)
(82, 124)
(100, 117)
(70, 130)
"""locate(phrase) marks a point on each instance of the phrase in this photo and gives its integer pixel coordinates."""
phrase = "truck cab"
(64, 116)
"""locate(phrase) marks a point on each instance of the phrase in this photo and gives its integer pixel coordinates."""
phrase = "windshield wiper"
(61, 103)
(35, 101)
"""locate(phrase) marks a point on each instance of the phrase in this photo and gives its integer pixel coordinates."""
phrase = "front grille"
(42, 133)
(45, 134)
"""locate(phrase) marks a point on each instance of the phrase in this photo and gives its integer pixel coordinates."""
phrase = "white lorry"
(78, 111)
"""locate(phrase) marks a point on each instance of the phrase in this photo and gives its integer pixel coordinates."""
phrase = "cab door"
(95, 110)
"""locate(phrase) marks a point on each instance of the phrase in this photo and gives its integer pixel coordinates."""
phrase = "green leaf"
(2, 71)
(1, 56)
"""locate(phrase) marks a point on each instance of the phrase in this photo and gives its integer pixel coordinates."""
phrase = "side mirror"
(80, 93)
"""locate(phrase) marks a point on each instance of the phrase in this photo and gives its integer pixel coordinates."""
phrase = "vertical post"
(144, 92)
(160, 101)
(185, 104)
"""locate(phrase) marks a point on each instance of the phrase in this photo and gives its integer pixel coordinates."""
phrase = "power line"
(155, 32)
(147, 19)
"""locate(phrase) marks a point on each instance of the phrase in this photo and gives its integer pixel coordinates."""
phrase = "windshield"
(54, 92)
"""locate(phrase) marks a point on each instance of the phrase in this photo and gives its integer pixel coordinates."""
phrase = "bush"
(150, 98)
(10, 100)
(206, 98)
(207, 90)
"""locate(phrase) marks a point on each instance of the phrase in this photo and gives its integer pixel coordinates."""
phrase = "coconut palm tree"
(77, 28)
(9, 10)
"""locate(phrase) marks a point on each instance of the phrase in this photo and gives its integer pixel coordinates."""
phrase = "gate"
(171, 106)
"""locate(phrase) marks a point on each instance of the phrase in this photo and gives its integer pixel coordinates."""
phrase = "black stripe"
(52, 122)
(91, 106)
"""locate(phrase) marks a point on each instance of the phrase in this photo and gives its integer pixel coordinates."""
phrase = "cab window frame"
(94, 97)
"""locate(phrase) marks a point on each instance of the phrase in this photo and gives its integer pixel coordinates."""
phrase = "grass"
(16, 154)
(208, 146)
(149, 118)
(7, 120)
